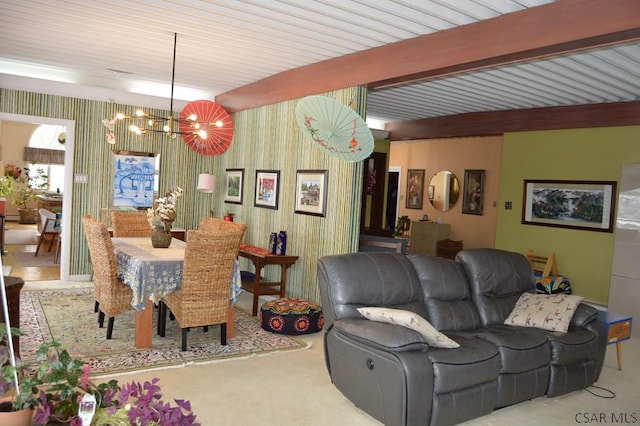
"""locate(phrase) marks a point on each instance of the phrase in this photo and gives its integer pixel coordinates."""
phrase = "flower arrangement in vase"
(52, 392)
(161, 216)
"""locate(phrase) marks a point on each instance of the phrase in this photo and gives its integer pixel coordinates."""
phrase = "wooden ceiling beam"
(552, 29)
(494, 123)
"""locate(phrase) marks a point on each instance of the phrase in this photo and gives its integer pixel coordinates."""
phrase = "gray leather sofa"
(392, 373)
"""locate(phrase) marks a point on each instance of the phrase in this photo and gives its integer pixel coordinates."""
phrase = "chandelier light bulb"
(192, 117)
(166, 128)
(201, 134)
(196, 125)
(219, 123)
(140, 113)
(120, 116)
(151, 122)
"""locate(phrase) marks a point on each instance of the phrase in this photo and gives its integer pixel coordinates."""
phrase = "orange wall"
(455, 155)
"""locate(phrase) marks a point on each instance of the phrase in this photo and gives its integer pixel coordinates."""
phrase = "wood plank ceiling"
(127, 45)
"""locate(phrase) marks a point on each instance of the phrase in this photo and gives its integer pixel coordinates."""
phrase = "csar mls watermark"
(612, 418)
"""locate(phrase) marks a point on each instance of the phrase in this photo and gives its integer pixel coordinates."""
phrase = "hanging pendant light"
(207, 131)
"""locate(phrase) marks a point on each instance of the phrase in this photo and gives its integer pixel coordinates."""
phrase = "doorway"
(393, 195)
(68, 177)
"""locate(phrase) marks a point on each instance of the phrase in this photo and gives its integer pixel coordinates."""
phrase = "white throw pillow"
(543, 311)
(410, 320)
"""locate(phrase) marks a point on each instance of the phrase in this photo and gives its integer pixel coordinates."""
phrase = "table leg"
(144, 329)
(256, 292)
(619, 354)
(283, 279)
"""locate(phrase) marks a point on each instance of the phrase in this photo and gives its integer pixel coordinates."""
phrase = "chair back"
(208, 267)
(130, 224)
(103, 260)
(47, 221)
(213, 224)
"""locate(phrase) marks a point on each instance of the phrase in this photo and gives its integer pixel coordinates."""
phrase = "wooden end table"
(261, 258)
(618, 330)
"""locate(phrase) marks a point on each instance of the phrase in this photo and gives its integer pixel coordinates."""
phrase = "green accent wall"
(267, 138)
(575, 154)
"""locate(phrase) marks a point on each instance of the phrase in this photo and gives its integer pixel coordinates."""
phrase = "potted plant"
(5, 189)
(26, 184)
(53, 388)
(402, 225)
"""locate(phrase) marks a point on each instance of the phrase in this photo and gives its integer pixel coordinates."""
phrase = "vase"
(161, 236)
(27, 216)
(15, 418)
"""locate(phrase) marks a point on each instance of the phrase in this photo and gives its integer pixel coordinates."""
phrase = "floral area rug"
(67, 317)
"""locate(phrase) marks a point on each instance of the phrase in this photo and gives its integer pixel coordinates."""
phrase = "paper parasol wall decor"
(214, 120)
(335, 127)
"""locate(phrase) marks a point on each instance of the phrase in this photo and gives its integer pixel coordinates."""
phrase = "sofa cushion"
(409, 320)
(446, 293)
(542, 311)
(521, 349)
(496, 278)
(476, 361)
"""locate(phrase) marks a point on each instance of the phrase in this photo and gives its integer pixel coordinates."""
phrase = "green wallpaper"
(575, 154)
(264, 138)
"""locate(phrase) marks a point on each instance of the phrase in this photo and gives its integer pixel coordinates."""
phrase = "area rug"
(67, 317)
(44, 257)
(21, 236)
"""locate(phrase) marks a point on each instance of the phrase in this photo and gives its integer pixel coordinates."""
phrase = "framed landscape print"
(587, 205)
(267, 187)
(415, 188)
(311, 192)
(234, 184)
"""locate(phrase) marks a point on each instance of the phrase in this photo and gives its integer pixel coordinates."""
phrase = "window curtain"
(44, 156)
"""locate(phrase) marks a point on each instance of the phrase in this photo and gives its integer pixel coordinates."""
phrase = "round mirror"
(443, 190)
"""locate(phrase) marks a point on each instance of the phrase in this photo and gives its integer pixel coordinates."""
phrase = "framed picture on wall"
(587, 205)
(415, 188)
(267, 189)
(234, 184)
(135, 178)
(311, 192)
(473, 192)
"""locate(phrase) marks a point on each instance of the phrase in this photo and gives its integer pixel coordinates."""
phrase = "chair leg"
(100, 319)
(39, 244)
(110, 327)
(184, 338)
(223, 333)
(205, 329)
(96, 307)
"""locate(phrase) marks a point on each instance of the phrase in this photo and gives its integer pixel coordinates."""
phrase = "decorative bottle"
(281, 246)
(273, 242)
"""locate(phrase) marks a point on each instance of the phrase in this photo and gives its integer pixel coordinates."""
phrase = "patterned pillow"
(410, 320)
(542, 311)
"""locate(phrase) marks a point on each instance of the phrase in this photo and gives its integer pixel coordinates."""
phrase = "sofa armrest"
(387, 337)
(583, 315)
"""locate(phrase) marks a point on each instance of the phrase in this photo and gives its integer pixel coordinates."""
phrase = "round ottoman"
(291, 316)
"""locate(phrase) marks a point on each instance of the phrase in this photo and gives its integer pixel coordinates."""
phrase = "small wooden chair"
(543, 265)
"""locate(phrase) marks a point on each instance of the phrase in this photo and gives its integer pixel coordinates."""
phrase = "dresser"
(425, 236)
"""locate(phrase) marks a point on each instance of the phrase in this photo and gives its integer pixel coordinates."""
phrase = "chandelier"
(212, 126)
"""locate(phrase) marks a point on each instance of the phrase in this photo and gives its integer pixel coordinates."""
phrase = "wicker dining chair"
(112, 295)
(214, 224)
(130, 224)
(203, 297)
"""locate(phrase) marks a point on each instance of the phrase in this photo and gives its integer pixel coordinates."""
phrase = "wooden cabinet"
(425, 236)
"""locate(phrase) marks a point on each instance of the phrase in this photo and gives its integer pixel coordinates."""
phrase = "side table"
(618, 330)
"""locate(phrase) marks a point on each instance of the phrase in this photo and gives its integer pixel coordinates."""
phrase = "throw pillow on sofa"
(410, 320)
(552, 312)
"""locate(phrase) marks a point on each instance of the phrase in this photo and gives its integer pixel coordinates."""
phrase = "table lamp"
(206, 184)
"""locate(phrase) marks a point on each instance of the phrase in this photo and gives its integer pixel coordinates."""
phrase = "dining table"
(153, 273)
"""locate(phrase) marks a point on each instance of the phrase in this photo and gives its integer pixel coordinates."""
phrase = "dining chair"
(214, 224)
(130, 224)
(49, 231)
(203, 297)
(112, 295)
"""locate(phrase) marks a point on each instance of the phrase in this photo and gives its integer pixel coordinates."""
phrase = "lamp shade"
(206, 182)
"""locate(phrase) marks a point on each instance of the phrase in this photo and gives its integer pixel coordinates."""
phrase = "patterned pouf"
(291, 316)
